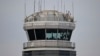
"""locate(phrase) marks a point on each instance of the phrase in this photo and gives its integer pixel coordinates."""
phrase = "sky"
(86, 34)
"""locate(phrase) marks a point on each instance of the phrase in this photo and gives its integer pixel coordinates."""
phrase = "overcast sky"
(86, 34)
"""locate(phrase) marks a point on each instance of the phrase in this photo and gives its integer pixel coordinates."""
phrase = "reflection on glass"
(51, 34)
(48, 35)
(62, 34)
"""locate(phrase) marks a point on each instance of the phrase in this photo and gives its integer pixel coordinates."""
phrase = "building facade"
(49, 33)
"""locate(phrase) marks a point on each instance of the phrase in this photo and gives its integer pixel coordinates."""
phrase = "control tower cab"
(49, 25)
(49, 33)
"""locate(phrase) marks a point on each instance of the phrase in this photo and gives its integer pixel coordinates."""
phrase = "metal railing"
(49, 44)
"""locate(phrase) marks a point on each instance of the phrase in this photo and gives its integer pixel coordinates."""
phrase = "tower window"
(27, 53)
(31, 34)
(69, 33)
(40, 34)
(62, 34)
(51, 34)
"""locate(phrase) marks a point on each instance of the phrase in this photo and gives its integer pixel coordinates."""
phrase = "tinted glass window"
(49, 53)
(51, 34)
(62, 34)
(40, 34)
(69, 33)
(27, 53)
(31, 34)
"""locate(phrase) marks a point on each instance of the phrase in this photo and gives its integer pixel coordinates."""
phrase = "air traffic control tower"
(49, 33)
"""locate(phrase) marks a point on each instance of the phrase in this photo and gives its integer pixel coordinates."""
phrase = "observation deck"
(49, 33)
(49, 25)
(46, 44)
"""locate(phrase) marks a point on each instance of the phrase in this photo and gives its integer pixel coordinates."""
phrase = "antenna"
(44, 4)
(54, 6)
(64, 6)
(40, 5)
(73, 7)
(58, 5)
(54, 12)
(34, 6)
(61, 5)
(25, 9)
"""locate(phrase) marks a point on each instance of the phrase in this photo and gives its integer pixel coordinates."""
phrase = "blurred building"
(49, 33)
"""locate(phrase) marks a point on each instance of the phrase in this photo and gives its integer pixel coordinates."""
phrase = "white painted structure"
(49, 33)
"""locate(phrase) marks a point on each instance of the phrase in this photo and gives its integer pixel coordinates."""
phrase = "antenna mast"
(64, 5)
(39, 5)
(25, 9)
(61, 5)
(58, 5)
(73, 7)
(54, 5)
(34, 6)
(44, 4)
